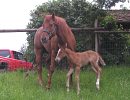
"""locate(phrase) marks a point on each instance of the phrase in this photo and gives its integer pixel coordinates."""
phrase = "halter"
(50, 34)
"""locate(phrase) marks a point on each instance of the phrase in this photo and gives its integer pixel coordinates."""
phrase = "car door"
(21, 63)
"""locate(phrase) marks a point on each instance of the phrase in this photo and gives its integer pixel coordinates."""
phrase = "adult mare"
(57, 26)
(40, 47)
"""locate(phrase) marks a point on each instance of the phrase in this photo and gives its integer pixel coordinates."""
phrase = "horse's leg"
(51, 68)
(71, 76)
(97, 70)
(48, 75)
(68, 78)
(39, 66)
(77, 72)
(98, 76)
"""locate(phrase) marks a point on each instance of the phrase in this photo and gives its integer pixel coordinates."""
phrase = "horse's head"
(50, 26)
(61, 53)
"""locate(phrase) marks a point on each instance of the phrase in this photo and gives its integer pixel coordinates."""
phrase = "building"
(122, 17)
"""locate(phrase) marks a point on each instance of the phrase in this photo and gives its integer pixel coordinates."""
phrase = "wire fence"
(114, 46)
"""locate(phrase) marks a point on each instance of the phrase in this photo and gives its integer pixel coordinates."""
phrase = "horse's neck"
(70, 54)
(66, 36)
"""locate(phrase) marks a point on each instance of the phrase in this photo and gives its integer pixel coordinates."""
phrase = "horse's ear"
(53, 17)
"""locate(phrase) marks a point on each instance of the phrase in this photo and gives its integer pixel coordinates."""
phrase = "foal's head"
(61, 53)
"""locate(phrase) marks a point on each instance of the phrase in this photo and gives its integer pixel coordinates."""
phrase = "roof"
(120, 15)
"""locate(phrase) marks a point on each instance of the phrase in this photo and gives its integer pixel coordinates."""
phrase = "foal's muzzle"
(57, 59)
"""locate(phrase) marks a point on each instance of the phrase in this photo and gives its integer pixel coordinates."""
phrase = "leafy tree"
(78, 13)
(108, 3)
(23, 48)
(27, 54)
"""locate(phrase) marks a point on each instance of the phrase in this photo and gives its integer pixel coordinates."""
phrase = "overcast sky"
(15, 14)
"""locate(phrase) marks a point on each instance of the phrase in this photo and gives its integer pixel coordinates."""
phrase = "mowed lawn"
(115, 85)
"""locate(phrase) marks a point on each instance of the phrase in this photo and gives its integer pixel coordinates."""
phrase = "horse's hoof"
(98, 88)
(78, 93)
(40, 83)
(68, 90)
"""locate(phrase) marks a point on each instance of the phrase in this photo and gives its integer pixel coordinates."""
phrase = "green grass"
(115, 85)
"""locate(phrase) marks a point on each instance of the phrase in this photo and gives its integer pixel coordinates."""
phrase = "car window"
(18, 55)
(5, 53)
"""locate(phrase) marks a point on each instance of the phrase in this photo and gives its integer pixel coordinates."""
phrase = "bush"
(113, 44)
(109, 23)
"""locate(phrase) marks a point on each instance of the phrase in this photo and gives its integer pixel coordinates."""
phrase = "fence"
(112, 45)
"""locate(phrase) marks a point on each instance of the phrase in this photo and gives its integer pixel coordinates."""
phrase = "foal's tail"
(101, 61)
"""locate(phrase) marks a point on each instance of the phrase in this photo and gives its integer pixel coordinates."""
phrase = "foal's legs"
(71, 75)
(97, 70)
(68, 78)
(98, 75)
(77, 72)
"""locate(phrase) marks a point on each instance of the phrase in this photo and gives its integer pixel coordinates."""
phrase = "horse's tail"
(101, 61)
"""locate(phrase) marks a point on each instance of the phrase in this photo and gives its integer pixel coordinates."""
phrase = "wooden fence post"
(96, 35)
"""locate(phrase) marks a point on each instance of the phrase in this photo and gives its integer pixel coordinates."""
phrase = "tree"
(23, 48)
(108, 3)
(27, 53)
(78, 13)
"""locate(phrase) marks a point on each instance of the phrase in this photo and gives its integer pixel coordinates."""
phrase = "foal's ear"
(65, 45)
(58, 45)
(53, 16)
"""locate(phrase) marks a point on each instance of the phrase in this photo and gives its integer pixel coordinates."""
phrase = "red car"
(12, 60)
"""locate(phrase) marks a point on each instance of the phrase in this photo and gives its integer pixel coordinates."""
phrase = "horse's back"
(92, 55)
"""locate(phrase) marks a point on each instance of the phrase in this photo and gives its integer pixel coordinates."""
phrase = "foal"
(81, 59)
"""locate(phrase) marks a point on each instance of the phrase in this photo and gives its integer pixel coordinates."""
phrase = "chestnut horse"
(40, 47)
(80, 59)
(55, 25)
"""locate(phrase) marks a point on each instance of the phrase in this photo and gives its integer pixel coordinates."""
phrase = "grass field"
(115, 85)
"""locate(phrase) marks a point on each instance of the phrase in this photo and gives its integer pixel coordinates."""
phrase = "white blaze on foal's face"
(57, 56)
